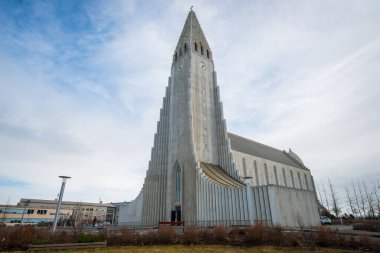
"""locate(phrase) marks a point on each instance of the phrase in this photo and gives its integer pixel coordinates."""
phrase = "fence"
(198, 224)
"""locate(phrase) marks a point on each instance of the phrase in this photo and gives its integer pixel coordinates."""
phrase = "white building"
(201, 174)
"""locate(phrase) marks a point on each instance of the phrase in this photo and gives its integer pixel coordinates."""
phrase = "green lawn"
(201, 249)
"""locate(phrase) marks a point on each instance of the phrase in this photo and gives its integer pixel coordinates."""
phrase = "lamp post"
(64, 178)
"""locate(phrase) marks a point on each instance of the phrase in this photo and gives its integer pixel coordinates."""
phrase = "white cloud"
(292, 74)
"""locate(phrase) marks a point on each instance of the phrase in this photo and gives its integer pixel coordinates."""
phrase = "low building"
(34, 211)
(15, 214)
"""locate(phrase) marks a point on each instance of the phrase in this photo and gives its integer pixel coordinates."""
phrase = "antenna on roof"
(191, 8)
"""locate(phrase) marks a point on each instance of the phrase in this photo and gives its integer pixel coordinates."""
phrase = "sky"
(81, 86)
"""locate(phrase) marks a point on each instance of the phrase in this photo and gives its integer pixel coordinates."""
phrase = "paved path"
(348, 229)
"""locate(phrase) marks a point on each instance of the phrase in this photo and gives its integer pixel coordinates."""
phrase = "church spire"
(192, 38)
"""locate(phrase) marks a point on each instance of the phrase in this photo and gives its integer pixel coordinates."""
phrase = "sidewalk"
(348, 229)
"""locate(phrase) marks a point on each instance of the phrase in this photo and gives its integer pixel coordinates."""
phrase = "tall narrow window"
(175, 56)
(244, 167)
(256, 173)
(275, 174)
(292, 178)
(178, 185)
(196, 47)
(307, 183)
(284, 177)
(266, 173)
(208, 54)
(180, 52)
(185, 47)
(299, 180)
(201, 49)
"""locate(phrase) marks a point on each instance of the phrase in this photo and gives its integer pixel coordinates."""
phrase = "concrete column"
(222, 203)
(232, 204)
(219, 201)
(250, 205)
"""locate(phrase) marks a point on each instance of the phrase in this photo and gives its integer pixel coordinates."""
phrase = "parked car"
(102, 225)
(325, 220)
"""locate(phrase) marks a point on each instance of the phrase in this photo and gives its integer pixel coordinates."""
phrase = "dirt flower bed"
(258, 235)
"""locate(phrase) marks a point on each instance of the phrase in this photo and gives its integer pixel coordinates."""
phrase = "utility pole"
(64, 178)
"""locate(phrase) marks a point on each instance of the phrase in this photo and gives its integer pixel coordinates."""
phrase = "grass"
(201, 249)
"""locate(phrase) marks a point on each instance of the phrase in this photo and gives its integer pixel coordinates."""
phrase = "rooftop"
(257, 149)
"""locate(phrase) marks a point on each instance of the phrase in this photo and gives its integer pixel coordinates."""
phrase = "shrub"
(147, 238)
(292, 240)
(219, 235)
(256, 235)
(276, 236)
(342, 240)
(166, 235)
(190, 236)
(62, 237)
(205, 236)
(236, 236)
(366, 242)
(103, 234)
(20, 237)
(128, 236)
(123, 237)
(89, 238)
(368, 225)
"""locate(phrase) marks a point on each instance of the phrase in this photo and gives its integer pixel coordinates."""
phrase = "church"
(200, 174)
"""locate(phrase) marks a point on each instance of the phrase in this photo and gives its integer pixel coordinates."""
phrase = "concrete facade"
(203, 175)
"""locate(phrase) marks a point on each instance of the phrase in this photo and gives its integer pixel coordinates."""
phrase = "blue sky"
(81, 86)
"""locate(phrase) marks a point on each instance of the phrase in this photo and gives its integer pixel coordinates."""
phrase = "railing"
(89, 245)
(199, 223)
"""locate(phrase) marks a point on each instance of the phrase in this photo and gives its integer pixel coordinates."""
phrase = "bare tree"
(326, 198)
(370, 201)
(356, 199)
(319, 195)
(350, 202)
(334, 198)
(375, 190)
(362, 200)
(5, 211)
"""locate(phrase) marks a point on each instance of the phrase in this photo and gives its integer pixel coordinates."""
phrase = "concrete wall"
(284, 206)
(130, 214)
(293, 207)
(256, 168)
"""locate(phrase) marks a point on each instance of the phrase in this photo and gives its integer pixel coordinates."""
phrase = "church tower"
(196, 120)
(192, 175)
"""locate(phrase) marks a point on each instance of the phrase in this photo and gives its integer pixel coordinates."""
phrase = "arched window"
(178, 185)
(307, 183)
(208, 54)
(244, 167)
(292, 177)
(275, 174)
(256, 173)
(299, 180)
(284, 176)
(201, 50)
(185, 47)
(196, 47)
(175, 56)
(180, 52)
(266, 173)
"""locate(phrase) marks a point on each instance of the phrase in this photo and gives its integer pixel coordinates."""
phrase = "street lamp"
(64, 178)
